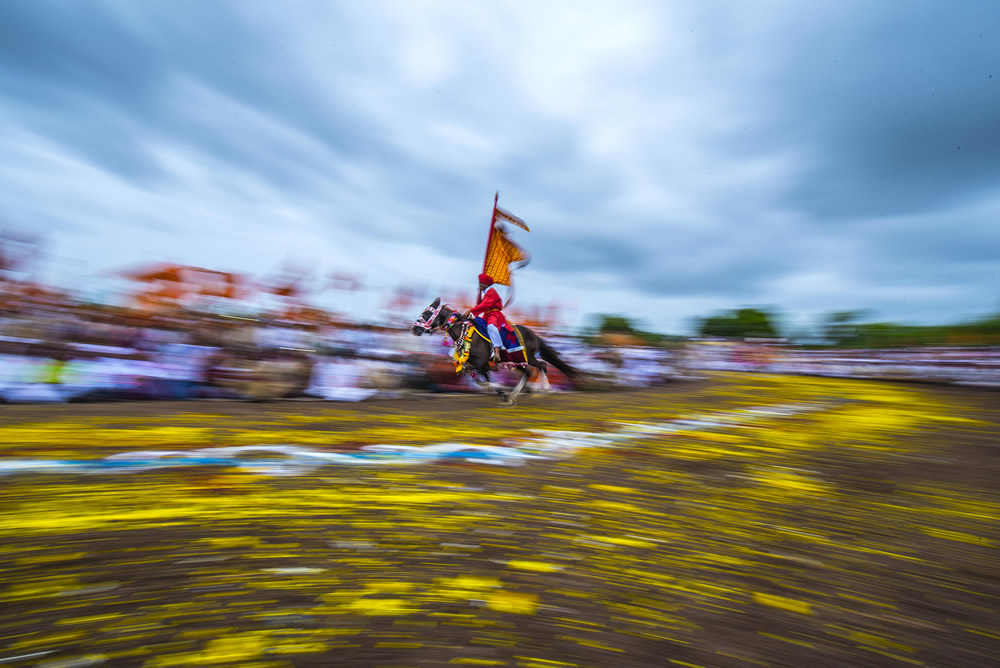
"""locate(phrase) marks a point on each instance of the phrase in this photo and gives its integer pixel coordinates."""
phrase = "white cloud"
(686, 157)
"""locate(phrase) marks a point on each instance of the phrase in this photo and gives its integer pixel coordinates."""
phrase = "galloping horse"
(441, 317)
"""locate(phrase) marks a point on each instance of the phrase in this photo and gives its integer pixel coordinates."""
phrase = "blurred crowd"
(83, 353)
(60, 352)
(971, 366)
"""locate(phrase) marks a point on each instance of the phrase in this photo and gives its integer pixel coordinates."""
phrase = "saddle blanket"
(514, 347)
(509, 338)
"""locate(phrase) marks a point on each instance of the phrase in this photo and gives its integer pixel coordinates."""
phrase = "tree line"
(838, 329)
(850, 329)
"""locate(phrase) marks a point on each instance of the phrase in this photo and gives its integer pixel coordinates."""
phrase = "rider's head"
(485, 281)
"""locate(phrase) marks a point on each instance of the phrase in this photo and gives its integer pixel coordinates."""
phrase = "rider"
(488, 308)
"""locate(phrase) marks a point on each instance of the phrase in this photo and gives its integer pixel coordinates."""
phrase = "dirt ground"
(780, 521)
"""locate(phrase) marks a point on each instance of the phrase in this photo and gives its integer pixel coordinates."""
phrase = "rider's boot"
(496, 356)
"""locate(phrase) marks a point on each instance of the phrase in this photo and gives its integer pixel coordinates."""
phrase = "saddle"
(513, 347)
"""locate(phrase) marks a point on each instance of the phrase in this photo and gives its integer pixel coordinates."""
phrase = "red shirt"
(490, 302)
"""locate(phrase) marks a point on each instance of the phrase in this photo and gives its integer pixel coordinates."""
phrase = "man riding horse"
(477, 349)
(489, 309)
(476, 355)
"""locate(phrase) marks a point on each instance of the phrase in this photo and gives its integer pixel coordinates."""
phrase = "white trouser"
(494, 333)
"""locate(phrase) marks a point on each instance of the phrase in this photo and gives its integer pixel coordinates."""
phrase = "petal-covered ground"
(746, 520)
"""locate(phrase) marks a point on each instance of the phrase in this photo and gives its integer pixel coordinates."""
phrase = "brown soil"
(889, 559)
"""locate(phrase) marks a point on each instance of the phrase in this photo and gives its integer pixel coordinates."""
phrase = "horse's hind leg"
(544, 387)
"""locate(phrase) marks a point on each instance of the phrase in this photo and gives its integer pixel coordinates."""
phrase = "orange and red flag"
(501, 251)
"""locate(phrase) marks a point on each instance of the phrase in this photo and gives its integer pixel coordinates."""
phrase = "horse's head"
(429, 320)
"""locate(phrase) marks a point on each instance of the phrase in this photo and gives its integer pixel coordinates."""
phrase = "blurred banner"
(501, 251)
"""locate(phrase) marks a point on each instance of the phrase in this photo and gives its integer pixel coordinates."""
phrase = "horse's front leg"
(525, 374)
(482, 378)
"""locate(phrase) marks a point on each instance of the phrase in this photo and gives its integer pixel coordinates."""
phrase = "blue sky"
(671, 158)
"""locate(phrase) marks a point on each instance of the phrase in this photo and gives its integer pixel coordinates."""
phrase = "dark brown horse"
(439, 316)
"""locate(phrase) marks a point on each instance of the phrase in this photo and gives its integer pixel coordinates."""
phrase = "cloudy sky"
(671, 158)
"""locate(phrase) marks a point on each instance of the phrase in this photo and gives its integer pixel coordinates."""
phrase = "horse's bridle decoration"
(427, 324)
(460, 353)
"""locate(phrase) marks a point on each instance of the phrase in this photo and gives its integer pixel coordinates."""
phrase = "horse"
(439, 316)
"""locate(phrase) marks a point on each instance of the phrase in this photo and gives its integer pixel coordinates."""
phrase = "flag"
(511, 218)
(501, 251)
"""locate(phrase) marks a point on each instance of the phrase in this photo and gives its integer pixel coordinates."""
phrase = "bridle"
(427, 324)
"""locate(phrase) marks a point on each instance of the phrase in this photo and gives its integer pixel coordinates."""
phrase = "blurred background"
(736, 214)
(673, 162)
(180, 332)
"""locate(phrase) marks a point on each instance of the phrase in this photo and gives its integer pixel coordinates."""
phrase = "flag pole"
(489, 238)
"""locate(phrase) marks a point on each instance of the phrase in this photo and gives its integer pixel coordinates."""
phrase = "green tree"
(618, 324)
(615, 324)
(739, 323)
(841, 328)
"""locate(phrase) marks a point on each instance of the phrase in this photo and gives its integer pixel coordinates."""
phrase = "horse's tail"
(550, 356)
